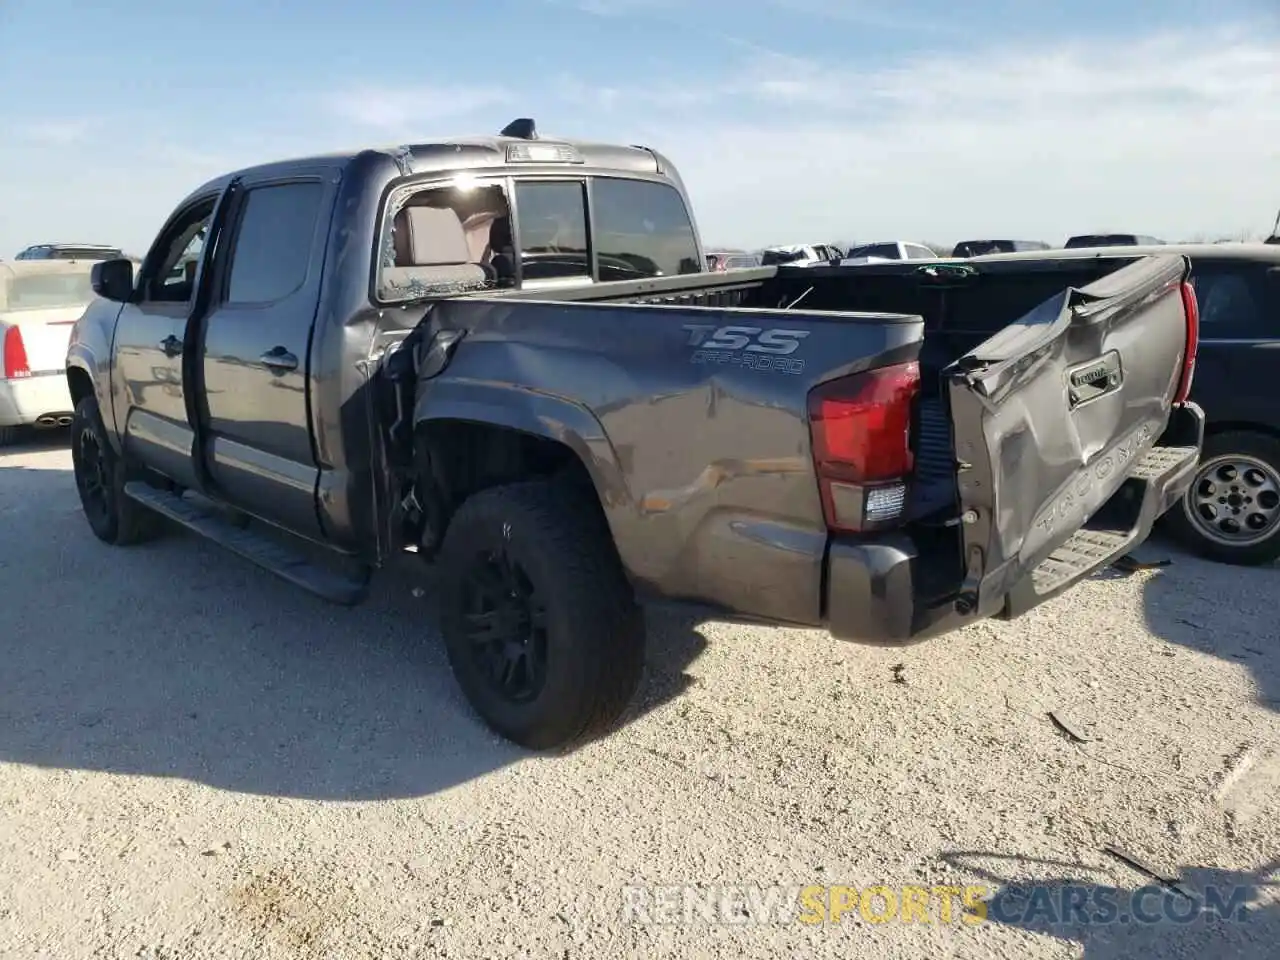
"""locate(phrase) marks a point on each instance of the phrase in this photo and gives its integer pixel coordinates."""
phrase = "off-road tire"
(595, 633)
(115, 519)
(1183, 526)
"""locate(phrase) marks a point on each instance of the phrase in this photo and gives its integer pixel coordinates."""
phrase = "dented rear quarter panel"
(702, 461)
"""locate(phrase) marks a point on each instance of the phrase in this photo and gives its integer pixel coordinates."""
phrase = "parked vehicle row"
(822, 254)
(977, 248)
(881, 250)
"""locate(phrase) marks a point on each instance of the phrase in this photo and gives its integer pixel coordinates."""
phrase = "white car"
(887, 250)
(40, 301)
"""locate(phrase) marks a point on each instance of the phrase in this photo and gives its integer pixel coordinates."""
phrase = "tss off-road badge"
(754, 348)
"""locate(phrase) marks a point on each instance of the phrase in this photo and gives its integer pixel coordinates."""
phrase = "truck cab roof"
(527, 154)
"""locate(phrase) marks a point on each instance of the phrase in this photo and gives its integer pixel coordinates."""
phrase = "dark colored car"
(980, 248)
(504, 354)
(1232, 511)
(69, 251)
(1110, 240)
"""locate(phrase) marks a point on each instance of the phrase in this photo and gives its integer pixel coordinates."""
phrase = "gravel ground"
(197, 760)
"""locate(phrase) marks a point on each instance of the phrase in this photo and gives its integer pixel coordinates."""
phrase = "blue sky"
(792, 120)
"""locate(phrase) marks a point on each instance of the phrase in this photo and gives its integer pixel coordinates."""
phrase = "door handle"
(171, 346)
(279, 360)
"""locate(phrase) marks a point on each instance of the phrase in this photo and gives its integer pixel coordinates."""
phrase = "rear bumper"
(873, 592)
(873, 595)
(25, 400)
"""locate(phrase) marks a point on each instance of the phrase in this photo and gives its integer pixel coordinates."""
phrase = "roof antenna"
(522, 129)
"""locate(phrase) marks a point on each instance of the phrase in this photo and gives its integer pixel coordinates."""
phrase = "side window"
(272, 248)
(552, 222)
(917, 252)
(1232, 297)
(172, 265)
(642, 229)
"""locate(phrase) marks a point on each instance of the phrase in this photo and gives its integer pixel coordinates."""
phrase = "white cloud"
(1172, 135)
(877, 14)
(132, 182)
(55, 132)
(398, 109)
(618, 8)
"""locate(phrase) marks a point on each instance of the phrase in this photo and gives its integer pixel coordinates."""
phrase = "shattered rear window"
(443, 240)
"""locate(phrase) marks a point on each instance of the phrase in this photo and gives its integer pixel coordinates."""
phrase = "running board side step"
(253, 546)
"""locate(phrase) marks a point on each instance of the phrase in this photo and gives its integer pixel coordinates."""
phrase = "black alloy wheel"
(506, 624)
(93, 479)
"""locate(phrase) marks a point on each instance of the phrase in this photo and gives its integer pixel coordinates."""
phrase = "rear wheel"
(541, 626)
(100, 477)
(1231, 513)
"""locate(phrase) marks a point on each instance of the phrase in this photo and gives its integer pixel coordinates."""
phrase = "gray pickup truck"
(505, 354)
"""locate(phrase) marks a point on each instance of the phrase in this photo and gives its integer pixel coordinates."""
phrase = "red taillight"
(1191, 307)
(861, 433)
(15, 355)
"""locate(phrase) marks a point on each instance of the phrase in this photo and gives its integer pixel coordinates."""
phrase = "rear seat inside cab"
(431, 250)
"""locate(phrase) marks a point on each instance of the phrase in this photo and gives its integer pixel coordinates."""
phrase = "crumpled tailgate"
(1053, 417)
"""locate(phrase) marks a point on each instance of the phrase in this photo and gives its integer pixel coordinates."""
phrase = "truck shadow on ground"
(177, 659)
(1214, 913)
(1227, 612)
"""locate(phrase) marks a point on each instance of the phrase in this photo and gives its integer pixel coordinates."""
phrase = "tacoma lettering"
(1083, 487)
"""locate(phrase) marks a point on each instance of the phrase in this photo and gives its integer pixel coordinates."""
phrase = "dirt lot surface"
(197, 760)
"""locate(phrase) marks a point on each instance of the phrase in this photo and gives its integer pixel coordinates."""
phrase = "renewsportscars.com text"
(814, 904)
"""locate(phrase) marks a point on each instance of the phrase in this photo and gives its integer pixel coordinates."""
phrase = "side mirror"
(113, 280)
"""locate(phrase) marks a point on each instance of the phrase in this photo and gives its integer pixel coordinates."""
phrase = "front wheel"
(541, 626)
(1231, 512)
(100, 477)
